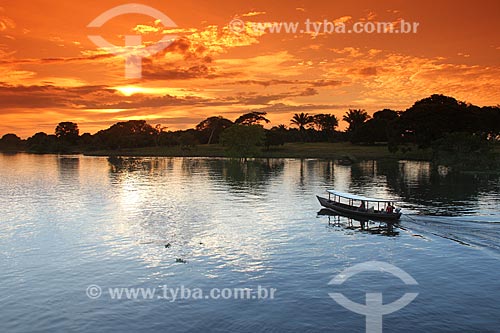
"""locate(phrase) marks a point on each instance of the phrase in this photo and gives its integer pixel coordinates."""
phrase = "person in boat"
(362, 206)
(390, 208)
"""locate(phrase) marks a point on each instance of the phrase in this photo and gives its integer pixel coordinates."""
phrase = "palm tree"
(301, 120)
(355, 118)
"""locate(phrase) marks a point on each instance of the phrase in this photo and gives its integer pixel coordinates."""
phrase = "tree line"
(426, 123)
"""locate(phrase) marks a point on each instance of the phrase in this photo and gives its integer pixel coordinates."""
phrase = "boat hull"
(354, 211)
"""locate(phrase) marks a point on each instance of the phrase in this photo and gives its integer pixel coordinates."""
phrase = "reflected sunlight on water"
(71, 221)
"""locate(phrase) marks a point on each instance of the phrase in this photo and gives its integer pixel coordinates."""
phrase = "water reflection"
(433, 193)
(420, 187)
(172, 200)
(235, 172)
(68, 222)
(131, 164)
(68, 167)
(250, 173)
(340, 221)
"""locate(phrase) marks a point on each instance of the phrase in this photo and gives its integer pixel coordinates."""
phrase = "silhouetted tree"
(210, 129)
(355, 118)
(323, 127)
(274, 137)
(252, 118)
(377, 128)
(86, 139)
(39, 138)
(67, 132)
(464, 151)
(129, 134)
(487, 122)
(187, 139)
(243, 140)
(423, 124)
(301, 120)
(159, 129)
(325, 122)
(386, 114)
(11, 141)
(431, 118)
(42, 143)
(168, 138)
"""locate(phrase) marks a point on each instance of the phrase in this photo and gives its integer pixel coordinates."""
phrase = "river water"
(76, 229)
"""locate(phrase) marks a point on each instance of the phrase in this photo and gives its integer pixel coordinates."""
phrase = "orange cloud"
(253, 14)
(5, 22)
(49, 73)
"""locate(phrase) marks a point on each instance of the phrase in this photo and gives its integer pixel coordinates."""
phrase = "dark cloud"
(141, 101)
(286, 108)
(368, 71)
(56, 60)
(267, 83)
(326, 83)
(84, 97)
(25, 98)
(312, 83)
(187, 49)
(308, 92)
(195, 64)
(153, 72)
(47, 96)
(258, 99)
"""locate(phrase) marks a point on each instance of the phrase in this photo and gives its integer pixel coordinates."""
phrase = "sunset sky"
(50, 71)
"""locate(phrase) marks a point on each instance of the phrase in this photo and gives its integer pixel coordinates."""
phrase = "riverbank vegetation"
(437, 128)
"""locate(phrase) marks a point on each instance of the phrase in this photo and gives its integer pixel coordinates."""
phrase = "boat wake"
(477, 231)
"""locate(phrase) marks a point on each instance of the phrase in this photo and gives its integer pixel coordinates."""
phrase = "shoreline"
(332, 151)
(344, 152)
